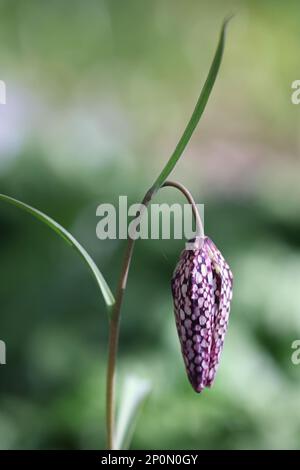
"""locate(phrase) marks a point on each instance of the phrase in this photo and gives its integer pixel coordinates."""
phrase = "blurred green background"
(98, 93)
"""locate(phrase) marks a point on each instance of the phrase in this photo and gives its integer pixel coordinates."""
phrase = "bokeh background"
(98, 93)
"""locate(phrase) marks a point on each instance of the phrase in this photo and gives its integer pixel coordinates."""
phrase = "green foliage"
(67, 237)
(197, 113)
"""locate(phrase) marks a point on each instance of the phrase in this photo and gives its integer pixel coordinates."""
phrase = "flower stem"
(115, 310)
(114, 326)
(189, 197)
(114, 330)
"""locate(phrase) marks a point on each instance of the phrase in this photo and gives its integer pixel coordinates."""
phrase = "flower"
(202, 291)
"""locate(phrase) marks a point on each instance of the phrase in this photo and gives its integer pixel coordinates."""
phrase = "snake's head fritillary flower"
(202, 291)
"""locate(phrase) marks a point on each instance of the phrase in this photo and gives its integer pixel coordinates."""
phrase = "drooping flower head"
(202, 291)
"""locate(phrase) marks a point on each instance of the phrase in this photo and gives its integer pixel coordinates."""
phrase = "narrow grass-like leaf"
(62, 232)
(134, 393)
(198, 111)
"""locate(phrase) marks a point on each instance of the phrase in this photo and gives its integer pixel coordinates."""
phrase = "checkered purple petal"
(202, 291)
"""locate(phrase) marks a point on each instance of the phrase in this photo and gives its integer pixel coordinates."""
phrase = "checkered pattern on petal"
(202, 289)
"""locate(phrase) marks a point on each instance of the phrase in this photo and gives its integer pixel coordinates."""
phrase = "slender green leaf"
(198, 111)
(62, 232)
(134, 393)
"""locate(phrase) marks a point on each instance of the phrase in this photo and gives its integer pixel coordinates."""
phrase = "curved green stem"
(115, 318)
(114, 330)
(189, 197)
(159, 182)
